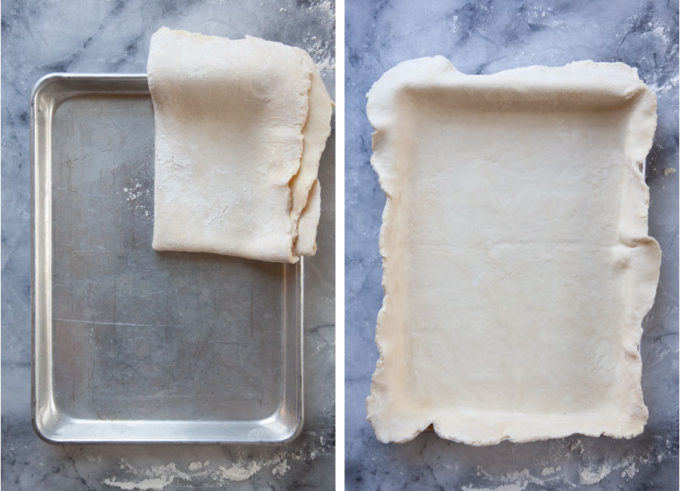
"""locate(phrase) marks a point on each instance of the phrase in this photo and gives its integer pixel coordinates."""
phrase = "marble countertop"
(95, 36)
(485, 37)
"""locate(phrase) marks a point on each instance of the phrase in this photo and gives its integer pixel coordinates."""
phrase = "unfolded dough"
(240, 128)
(517, 268)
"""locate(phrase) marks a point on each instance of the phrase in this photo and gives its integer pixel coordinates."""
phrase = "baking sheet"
(129, 344)
(477, 134)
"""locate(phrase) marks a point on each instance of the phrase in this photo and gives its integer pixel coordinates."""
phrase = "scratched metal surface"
(196, 345)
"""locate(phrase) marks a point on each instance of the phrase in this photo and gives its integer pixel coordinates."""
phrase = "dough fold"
(517, 266)
(240, 128)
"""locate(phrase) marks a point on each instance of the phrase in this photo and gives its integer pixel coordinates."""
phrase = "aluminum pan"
(132, 345)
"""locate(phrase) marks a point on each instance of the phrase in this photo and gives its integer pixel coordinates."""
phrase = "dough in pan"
(517, 268)
(240, 127)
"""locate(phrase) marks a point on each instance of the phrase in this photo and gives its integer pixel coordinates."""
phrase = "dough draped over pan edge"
(409, 388)
(240, 128)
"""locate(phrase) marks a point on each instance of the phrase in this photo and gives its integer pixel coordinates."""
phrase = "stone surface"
(97, 36)
(485, 37)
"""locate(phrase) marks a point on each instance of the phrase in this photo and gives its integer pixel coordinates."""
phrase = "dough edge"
(305, 186)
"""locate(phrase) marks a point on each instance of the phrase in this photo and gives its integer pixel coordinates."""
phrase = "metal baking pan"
(129, 344)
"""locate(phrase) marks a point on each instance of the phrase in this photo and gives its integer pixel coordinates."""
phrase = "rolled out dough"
(517, 268)
(240, 128)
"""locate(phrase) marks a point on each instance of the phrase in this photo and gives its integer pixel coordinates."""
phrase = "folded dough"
(516, 263)
(240, 128)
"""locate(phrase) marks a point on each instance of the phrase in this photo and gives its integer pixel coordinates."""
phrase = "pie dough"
(517, 268)
(240, 128)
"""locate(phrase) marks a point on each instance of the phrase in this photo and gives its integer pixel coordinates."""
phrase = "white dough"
(517, 268)
(309, 221)
(240, 128)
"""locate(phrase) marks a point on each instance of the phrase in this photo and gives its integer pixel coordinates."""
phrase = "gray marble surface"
(41, 36)
(485, 37)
